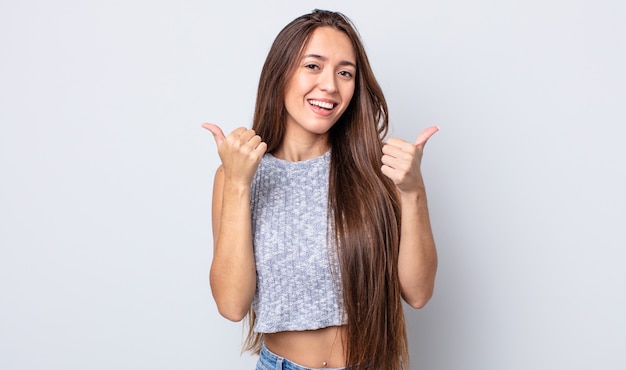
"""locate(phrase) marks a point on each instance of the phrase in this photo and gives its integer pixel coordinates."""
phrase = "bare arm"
(417, 264)
(233, 271)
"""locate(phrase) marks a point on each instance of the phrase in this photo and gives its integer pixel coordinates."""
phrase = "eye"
(311, 66)
(346, 74)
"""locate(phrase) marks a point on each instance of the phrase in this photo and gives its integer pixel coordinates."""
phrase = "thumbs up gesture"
(402, 161)
(241, 152)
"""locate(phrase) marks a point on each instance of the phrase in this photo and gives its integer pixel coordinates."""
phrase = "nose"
(327, 81)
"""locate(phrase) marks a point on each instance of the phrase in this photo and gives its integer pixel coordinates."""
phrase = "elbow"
(232, 314)
(230, 304)
(230, 307)
(418, 301)
(418, 293)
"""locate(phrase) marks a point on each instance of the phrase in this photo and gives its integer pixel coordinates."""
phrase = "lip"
(318, 109)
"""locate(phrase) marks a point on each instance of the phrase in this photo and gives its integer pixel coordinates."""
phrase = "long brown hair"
(363, 202)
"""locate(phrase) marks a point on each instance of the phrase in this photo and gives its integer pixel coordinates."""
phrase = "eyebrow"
(323, 58)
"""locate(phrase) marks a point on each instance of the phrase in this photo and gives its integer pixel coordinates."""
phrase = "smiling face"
(322, 85)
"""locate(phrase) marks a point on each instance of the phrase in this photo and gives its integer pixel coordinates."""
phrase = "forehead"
(331, 44)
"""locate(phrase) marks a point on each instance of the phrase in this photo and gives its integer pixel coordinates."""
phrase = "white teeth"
(321, 104)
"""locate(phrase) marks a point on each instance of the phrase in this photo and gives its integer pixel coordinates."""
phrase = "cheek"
(297, 86)
(348, 93)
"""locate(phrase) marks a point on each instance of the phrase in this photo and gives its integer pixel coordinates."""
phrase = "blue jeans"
(271, 361)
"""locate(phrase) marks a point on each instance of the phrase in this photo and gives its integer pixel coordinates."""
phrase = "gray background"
(106, 175)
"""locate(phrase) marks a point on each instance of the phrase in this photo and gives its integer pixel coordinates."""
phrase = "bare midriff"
(311, 348)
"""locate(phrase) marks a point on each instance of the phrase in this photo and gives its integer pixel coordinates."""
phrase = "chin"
(321, 128)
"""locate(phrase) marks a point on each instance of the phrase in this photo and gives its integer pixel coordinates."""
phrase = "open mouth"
(322, 104)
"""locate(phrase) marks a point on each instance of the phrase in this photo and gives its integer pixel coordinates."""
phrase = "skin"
(417, 262)
(325, 74)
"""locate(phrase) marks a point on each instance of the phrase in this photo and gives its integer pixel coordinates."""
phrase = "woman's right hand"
(241, 152)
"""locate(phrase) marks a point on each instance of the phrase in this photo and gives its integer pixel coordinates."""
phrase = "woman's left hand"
(402, 160)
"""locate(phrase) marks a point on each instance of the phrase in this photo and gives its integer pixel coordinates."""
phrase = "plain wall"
(106, 175)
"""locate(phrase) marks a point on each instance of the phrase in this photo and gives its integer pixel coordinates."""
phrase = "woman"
(320, 228)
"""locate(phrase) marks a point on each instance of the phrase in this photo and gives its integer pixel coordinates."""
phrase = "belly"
(311, 348)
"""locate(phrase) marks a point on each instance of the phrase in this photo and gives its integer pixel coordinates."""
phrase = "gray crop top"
(298, 279)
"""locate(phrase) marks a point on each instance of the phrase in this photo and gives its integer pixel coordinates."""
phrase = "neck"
(294, 150)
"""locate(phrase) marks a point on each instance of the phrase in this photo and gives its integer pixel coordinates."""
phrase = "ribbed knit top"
(298, 279)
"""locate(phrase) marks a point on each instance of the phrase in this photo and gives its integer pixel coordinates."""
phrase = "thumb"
(217, 132)
(423, 137)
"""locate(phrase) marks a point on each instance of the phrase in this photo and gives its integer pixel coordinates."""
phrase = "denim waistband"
(271, 361)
